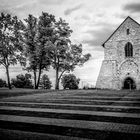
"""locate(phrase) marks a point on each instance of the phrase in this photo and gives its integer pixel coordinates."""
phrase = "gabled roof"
(118, 28)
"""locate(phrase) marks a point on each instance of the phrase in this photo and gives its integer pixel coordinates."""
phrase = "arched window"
(128, 50)
(127, 31)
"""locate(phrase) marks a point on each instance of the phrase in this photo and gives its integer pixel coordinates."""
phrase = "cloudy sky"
(92, 21)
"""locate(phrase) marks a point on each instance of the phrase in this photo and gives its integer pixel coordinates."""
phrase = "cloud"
(51, 2)
(82, 17)
(11, 3)
(98, 36)
(121, 15)
(132, 7)
(3, 10)
(70, 10)
(16, 7)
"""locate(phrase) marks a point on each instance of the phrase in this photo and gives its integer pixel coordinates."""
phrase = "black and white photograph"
(69, 70)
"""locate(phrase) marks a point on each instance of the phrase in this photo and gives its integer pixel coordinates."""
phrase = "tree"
(10, 46)
(2, 83)
(37, 33)
(70, 81)
(45, 82)
(64, 55)
(28, 80)
(22, 81)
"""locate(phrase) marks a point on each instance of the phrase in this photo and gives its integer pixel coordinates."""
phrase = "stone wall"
(107, 75)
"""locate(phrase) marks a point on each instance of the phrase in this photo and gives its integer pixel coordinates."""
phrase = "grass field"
(4, 92)
(69, 114)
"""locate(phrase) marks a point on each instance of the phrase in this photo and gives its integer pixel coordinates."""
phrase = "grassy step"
(69, 131)
(94, 102)
(75, 107)
(73, 116)
(85, 102)
(112, 94)
(103, 98)
(6, 134)
(108, 126)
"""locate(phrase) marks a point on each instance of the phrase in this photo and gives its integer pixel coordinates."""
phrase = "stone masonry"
(116, 67)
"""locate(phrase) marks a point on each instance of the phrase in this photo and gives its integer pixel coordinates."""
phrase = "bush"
(45, 82)
(3, 83)
(22, 81)
(70, 81)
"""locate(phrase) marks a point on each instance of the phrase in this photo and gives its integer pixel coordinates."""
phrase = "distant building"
(121, 65)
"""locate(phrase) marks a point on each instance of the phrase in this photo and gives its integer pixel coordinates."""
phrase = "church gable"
(127, 30)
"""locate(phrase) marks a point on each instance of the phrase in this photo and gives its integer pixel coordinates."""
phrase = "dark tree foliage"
(10, 45)
(37, 34)
(64, 55)
(2, 83)
(45, 82)
(22, 81)
(69, 81)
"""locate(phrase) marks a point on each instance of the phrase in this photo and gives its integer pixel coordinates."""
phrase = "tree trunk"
(8, 77)
(61, 75)
(35, 79)
(57, 80)
(38, 81)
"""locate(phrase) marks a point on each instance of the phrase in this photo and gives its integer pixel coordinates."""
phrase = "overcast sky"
(92, 22)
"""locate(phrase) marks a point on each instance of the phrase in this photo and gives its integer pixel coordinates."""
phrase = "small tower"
(121, 65)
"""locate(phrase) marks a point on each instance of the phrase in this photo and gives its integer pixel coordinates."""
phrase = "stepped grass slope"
(71, 115)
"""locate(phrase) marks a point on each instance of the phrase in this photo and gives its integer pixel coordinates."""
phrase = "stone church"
(121, 65)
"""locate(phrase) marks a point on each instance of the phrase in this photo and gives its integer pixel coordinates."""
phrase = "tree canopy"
(37, 33)
(64, 55)
(10, 46)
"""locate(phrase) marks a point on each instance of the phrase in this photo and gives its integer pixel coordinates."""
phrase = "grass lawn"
(4, 92)
(41, 95)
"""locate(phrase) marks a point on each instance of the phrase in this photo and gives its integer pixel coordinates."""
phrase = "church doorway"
(129, 83)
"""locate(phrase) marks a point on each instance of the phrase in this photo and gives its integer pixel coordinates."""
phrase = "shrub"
(70, 81)
(22, 81)
(2, 83)
(45, 82)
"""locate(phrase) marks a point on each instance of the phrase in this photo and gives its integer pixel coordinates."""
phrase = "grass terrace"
(70, 114)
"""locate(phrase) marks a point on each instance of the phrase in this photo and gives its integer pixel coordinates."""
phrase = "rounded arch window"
(128, 50)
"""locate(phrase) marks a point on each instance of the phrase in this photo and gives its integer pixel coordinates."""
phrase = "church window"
(127, 31)
(128, 50)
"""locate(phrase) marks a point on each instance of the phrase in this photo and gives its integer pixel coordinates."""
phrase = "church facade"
(121, 65)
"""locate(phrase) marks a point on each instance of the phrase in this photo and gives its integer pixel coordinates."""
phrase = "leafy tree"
(2, 83)
(45, 82)
(48, 41)
(70, 81)
(37, 33)
(64, 55)
(10, 46)
(22, 81)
